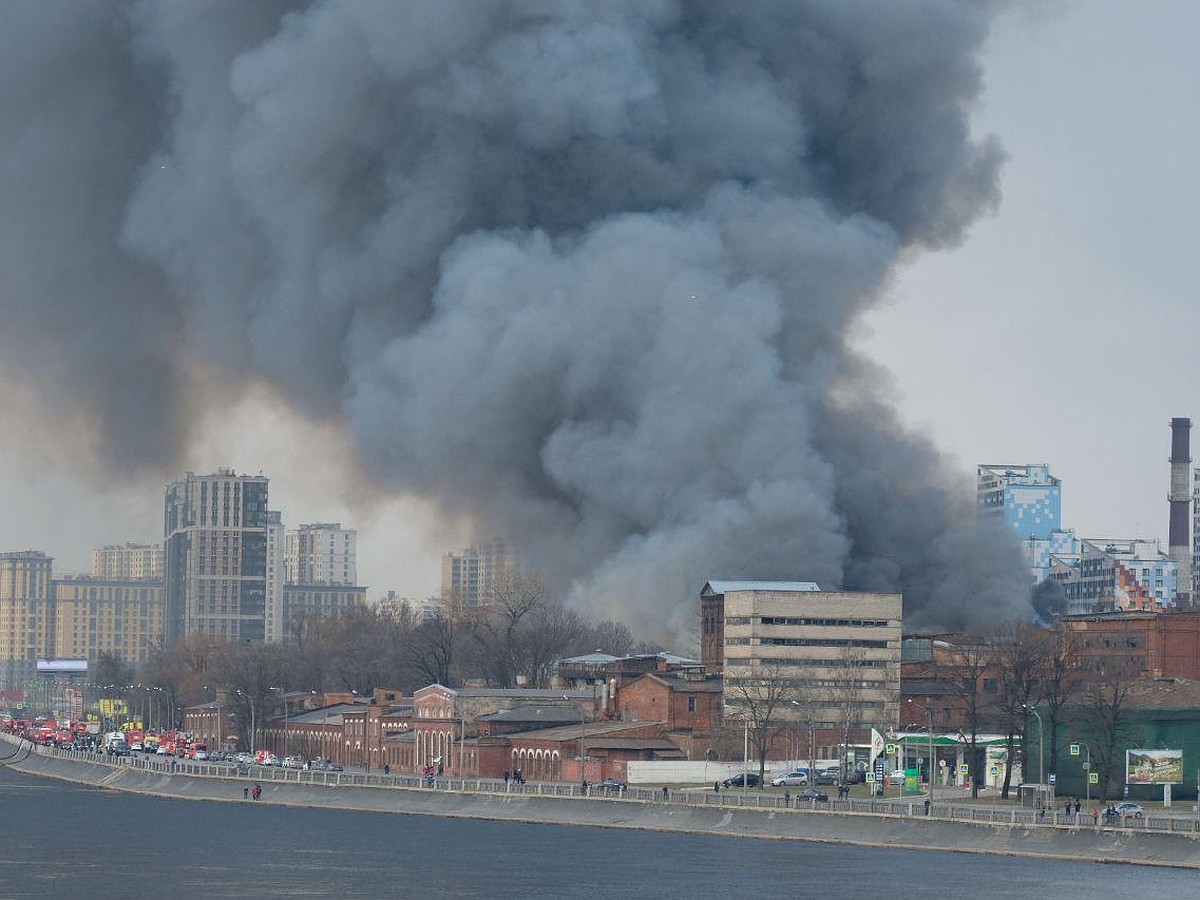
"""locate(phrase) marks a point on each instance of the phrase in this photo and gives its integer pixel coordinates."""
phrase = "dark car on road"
(742, 779)
(812, 795)
(611, 786)
(855, 778)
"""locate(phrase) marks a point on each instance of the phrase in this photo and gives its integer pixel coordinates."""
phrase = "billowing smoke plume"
(583, 272)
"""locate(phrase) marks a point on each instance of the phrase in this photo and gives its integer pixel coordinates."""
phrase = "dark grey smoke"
(584, 272)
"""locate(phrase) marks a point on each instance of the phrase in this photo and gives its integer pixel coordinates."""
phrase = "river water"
(67, 840)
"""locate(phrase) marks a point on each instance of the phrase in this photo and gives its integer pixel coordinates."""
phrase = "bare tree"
(1017, 661)
(430, 654)
(1060, 679)
(496, 631)
(760, 701)
(846, 696)
(972, 660)
(1103, 716)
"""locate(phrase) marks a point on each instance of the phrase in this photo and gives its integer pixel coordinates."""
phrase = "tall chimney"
(1179, 543)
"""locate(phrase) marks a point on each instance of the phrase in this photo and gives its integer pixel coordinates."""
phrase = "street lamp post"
(929, 718)
(283, 697)
(800, 707)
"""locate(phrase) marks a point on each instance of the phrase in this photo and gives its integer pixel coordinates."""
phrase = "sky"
(1066, 329)
(1062, 330)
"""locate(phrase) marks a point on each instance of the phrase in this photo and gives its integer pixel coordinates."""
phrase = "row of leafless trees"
(1001, 682)
(1019, 675)
(516, 639)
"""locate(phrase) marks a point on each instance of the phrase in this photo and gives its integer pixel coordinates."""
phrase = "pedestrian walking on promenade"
(1077, 807)
(246, 792)
(716, 787)
(926, 806)
(787, 799)
(666, 794)
(1096, 816)
(257, 792)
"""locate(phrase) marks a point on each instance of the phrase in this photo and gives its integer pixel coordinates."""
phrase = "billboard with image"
(1153, 766)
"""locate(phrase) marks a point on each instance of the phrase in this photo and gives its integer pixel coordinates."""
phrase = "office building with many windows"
(215, 529)
(1027, 497)
(824, 647)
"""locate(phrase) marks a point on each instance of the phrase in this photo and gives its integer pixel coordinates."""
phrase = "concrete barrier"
(861, 829)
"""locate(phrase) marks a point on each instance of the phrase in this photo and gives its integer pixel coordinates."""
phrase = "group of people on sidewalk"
(252, 792)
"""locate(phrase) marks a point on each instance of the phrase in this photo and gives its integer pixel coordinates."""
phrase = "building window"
(691, 704)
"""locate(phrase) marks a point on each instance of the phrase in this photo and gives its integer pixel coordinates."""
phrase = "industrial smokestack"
(1179, 536)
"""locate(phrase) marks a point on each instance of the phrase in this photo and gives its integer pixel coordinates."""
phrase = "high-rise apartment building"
(1028, 498)
(128, 562)
(322, 553)
(276, 576)
(96, 615)
(469, 576)
(830, 647)
(26, 615)
(215, 529)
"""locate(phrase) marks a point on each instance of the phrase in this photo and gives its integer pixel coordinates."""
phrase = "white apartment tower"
(322, 553)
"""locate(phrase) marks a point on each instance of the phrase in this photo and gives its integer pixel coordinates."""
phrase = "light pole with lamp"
(250, 700)
(808, 717)
(1087, 772)
(929, 717)
(283, 697)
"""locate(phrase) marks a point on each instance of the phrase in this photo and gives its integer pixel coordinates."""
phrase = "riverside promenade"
(1153, 841)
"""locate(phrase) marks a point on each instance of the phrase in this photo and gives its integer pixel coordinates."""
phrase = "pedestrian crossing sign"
(1093, 777)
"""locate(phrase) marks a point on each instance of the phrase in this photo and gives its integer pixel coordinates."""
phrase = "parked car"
(611, 785)
(791, 778)
(855, 777)
(1133, 810)
(812, 795)
(742, 779)
(828, 776)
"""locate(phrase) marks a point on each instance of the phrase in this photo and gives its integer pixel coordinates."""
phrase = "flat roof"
(724, 587)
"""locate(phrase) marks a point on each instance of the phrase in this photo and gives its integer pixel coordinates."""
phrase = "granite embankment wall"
(874, 830)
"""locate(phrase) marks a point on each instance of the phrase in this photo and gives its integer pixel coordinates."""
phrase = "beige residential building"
(825, 645)
(128, 562)
(94, 616)
(26, 615)
(469, 575)
(322, 553)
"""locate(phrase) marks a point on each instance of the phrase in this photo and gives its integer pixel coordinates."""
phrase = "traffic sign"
(890, 749)
(994, 770)
(1051, 778)
(1087, 765)
(1093, 777)
(1074, 749)
(870, 778)
(963, 769)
